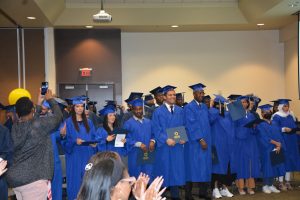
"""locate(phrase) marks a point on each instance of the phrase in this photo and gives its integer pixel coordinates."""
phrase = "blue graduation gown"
(56, 183)
(266, 133)
(169, 161)
(246, 150)
(292, 157)
(77, 156)
(6, 150)
(222, 133)
(103, 145)
(137, 132)
(198, 161)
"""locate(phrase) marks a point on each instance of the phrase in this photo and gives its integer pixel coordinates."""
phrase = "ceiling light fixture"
(31, 17)
(102, 16)
(174, 26)
(260, 24)
(88, 26)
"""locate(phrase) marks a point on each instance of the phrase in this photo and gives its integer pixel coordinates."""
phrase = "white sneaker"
(216, 193)
(225, 193)
(266, 189)
(274, 189)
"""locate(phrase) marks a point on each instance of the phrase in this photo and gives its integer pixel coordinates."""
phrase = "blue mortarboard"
(137, 102)
(234, 96)
(284, 101)
(219, 99)
(197, 87)
(77, 100)
(156, 90)
(10, 108)
(110, 106)
(46, 104)
(148, 97)
(265, 107)
(243, 97)
(168, 88)
(110, 102)
(106, 111)
(134, 95)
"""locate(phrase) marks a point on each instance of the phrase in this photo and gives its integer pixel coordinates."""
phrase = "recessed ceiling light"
(260, 24)
(31, 17)
(174, 26)
(88, 26)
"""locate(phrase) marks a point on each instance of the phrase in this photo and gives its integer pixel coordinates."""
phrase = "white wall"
(226, 62)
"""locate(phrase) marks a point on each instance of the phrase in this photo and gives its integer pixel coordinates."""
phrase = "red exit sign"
(85, 72)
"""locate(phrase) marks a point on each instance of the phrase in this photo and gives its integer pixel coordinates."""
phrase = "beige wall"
(226, 62)
(288, 35)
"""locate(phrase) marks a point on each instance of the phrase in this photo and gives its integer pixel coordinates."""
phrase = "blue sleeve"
(213, 114)
(70, 140)
(130, 140)
(159, 134)
(101, 136)
(193, 125)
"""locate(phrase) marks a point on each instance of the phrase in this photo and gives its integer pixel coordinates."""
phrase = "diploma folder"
(87, 143)
(277, 158)
(177, 134)
(145, 157)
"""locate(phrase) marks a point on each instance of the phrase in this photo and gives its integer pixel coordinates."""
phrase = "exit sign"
(85, 72)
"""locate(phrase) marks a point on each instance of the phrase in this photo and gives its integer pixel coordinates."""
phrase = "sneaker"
(273, 189)
(251, 191)
(242, 192)
(282, 187)
(266, 189)
(216, 193)
(225, 193)
(288, 186)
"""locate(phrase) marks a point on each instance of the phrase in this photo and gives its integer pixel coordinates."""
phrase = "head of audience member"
(25, 109)
(169, 94)
(137, 108)
(105, 178)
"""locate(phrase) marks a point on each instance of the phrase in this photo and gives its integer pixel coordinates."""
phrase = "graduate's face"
(245, 103)
(179, 102)
(170, 97)
(285, 108)
(78, 109)
(198, 95)
(111, 118)
(159, 98)
(267, 114)
(207, 102)
(138, 111)
(44, 110)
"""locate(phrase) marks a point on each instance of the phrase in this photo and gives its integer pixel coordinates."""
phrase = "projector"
(102, 16)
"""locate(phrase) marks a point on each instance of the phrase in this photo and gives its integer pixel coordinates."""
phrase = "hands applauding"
(3, 168)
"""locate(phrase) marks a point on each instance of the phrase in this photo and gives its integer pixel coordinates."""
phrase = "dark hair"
(105, 124)
(104, 174)
(24, 106)
(84, 119)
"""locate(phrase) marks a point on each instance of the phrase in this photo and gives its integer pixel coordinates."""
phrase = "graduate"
(246, 151)
(180, 100)
(198, 160)
(170, 162)
(222, 133)
(149, 106)
(206, 100)
(105, 135)
(270, 140)
(6, 151)
(139, 140)
(158, 95)
(286, 121)
(127, 115)
(78, 129)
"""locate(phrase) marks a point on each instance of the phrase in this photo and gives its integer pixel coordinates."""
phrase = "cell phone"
(44, 88)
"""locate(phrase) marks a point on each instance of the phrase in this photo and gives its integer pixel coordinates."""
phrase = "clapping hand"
(153, 192)
(142, 180)
(3, 168)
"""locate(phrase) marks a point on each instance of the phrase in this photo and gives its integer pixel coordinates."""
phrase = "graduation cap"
(243, 97)
(77, 100)
(265, 107)
(206, 97)
(10, 108)
(253, 122)
(46, 104)
(197, 87)
(92, 103)
(110, 102)
(134, 95)
(148, 97)
(284, 101)
(137, 102)
(234, 96)
(61, 102)
(106, 111)
(275, 101)
(168, 88)
(179, 96)
(156, 90)
(113, 107)
(219, 99)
